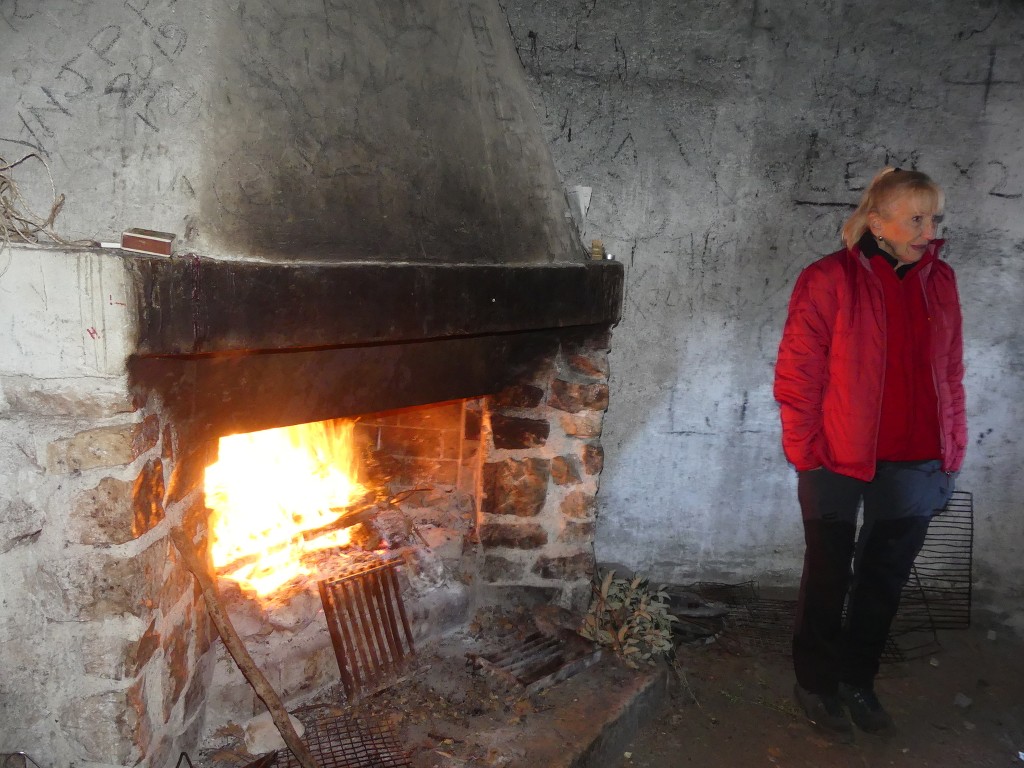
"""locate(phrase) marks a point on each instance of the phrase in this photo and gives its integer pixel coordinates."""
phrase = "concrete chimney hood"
(337, 174)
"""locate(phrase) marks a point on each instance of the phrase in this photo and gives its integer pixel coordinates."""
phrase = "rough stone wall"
(542, 460)
(724, 143)
(102, 643)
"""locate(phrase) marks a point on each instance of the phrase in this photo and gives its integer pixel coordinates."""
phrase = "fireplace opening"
(296, 511)
(471, 501)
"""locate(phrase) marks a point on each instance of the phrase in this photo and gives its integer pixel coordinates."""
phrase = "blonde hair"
(888, 185)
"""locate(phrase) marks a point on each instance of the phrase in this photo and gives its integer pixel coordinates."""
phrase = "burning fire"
(270, 493)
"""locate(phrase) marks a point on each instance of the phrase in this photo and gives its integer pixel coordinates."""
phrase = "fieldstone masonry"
(540, 472)
(110, 642)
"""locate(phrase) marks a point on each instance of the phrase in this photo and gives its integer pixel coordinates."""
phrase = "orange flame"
(267, 489)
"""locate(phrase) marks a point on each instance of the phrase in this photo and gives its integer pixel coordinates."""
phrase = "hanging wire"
(18, 222)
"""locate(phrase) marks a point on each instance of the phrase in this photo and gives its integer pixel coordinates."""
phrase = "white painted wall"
(723, 141)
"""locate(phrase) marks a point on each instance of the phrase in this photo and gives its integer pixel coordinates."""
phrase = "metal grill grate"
(364, 611)
(938, 594)
(943, 568)
(536, 662)
(348, 741)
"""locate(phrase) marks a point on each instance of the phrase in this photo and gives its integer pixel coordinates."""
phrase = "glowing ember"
(270, 491)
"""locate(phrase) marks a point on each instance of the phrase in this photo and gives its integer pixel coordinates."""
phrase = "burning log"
(350, 518)
(238, 651)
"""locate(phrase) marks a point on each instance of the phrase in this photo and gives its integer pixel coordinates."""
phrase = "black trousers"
(898, 505)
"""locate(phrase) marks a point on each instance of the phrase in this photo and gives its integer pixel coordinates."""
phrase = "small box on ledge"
(147, 241)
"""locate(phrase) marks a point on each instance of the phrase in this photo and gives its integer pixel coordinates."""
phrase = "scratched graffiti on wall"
(123, 70)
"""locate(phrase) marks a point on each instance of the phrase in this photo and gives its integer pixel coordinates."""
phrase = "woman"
(869, 380)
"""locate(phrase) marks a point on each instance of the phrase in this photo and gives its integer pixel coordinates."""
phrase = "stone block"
(574, 397)
(518, 396)
(593, 459)
(104, 654)
(137, 718)
(577, 533)
(100, 399)
(104, 514)
(582, 424)
(513, 432)
(148, 498)
(578, 505)
(568, 568)
(106, 585)
(99, 447)
(109, 727)
(169, 443)
(565, 470)
(21, 523)
(195, 696)
(177, 582)
(189, 470)
(145, 435)
(179, 671)
(206, 630)
(495, 569)
(515, 487)
(139, 653)
(591, 365)
(512, 535)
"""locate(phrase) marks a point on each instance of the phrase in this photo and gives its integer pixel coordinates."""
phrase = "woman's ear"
(875, 223)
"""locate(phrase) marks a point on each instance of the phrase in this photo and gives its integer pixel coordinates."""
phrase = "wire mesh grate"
(348, 741)
(942, 570)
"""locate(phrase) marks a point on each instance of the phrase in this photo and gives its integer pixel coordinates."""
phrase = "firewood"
(238, 652)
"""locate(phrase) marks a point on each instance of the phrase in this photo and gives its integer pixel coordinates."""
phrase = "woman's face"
(905, 228)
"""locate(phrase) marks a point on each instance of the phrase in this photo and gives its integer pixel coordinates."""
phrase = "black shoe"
(865, 709)
(824, 711)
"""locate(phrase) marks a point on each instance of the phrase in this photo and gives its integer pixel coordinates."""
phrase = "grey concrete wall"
(307, 129)
(724, 142)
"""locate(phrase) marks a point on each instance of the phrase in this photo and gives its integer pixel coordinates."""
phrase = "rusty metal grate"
(369, 628)
(348, 741)
(536, 662)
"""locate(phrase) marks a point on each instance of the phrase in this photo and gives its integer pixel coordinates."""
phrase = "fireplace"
(412, 269)
(487, 494)
(493, 454)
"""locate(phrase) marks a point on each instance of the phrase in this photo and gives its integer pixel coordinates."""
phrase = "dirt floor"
(960, 704)
(729, 703)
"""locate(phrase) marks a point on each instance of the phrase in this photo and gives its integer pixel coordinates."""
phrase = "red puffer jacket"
(829, 374)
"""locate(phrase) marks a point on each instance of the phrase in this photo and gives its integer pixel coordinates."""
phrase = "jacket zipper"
(931, 366)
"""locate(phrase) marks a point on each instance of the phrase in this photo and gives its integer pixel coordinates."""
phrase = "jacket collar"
(868, 247)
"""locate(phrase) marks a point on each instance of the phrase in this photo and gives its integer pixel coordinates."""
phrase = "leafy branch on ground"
(626, 616)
